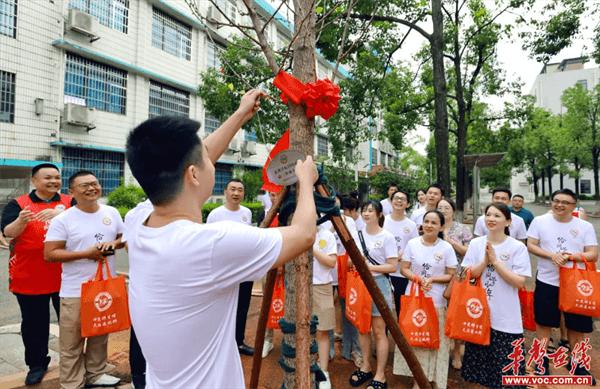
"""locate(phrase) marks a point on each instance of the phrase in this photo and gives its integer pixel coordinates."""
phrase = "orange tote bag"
(418, 319)
(276, 310)
(527, 313)
(342, 268)
(580, 290)
(468, 315)
(358, 303)
(104, 304)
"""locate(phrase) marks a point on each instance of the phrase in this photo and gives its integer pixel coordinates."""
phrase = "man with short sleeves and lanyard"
(558, 239)
(32, 280)
(434, 194)
(185, 275)
(517, 226)
(233, 211)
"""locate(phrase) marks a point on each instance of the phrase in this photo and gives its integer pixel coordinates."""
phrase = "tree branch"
(272, 16)
(392, 19)
(344, 36)
(262, 40)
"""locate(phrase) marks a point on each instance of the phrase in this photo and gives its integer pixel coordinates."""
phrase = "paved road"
(9, 310)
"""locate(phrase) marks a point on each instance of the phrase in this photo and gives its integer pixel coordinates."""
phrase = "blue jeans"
(349, 335)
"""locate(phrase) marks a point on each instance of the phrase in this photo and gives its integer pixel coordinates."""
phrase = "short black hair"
(449, 201)
(501, 189)
(403, 192)
(437, 186)
(80, 173)
(378, 209)
(420, 190)
(158, 152)
(503, 208)
(37, 168)
(564, 191)
(349, 203)
(393, 184)
(234, 180)
(519, 196)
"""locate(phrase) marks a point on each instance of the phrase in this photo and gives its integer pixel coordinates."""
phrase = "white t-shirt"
(140, 207)
(265, 199)
(403, 231)
(417, 215)
(517, 227)
(503, 298)
(325, 243)
(184, 281)
(554, 236)
(386, 206)
(351, 228)
(430, 261)
(81, 230)
(380, 246)
(242, 215)
(360, 223)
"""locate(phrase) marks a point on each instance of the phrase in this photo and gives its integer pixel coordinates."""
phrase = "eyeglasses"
(400, 199)
(88, 185)
(565, 203)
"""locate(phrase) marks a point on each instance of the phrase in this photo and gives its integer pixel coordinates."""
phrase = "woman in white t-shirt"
(381, 247)
(433, 260)
(324, 261)
(503, 264)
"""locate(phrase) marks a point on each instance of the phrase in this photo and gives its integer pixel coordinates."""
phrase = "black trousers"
(137, 362)
(35, 325)
(399, 284)
(244, 296)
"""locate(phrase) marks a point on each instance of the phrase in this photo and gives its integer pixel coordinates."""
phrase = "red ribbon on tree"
(282, 144)
(321, 97)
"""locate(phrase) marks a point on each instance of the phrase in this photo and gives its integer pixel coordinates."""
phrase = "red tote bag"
(276, 310)
(358, 303)
(342, 268)
(579, 291)
(527, 313)
(418, 319)
(468, 316)
(104, 304)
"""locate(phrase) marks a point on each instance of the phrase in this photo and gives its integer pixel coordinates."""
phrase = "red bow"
(321, 97)
(282, 144)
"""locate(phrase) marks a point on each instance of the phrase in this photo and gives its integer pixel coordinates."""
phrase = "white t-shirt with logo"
(503, 298)
(351, 228)
(380, 246)
(429, 261)
(242, 215)
(403, 231)
(554, 236)
(325, 243)
(184, 281)
(386, 206)
(418, 215)
(517, 227)
(80, 230)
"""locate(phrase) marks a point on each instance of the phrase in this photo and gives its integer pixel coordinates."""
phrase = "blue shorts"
(385, 286)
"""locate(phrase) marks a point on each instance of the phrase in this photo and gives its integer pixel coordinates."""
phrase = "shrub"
(126, 197)
(255, 207)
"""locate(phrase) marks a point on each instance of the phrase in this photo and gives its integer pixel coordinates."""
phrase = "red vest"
(28, 272)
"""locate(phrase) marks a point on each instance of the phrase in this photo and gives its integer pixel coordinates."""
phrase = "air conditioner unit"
(234, 146)
(82, 23)
(249, 147)
(213, 15)
(79, 115)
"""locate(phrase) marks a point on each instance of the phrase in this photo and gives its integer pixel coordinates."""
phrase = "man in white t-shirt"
(350, 208)
(184, 275)
(265, 199)
(233, 211)
(403, 230)
(559, 239)
(386, 204)
(517, 227)
(434, 194)
(79, 237)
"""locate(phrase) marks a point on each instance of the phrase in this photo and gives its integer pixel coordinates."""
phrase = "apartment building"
(77, 75)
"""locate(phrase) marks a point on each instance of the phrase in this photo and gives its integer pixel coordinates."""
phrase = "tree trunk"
(550, 174)
(534, 176)
(577, 169)
(595, 155)
(562, 180)
(543, 179)
(439, 86)
(298, 302)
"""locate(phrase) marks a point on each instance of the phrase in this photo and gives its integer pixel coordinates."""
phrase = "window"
(583, 83)
(101, 86)
(106, 165)
(250, 136)
(373, 156)
(321, 145)
(110, 13)
(7, 97)
(165, 100)
(212, 55)
(170, 35)
(8, 18)
(211, 123)
(585, 186)
(232, 10)
(223, 174)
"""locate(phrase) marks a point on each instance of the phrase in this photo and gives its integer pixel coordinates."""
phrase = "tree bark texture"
(441, 110)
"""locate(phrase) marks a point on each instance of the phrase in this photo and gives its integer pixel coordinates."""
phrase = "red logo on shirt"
(419, 318)
(103, 301)
(585, 288)
(474, 308)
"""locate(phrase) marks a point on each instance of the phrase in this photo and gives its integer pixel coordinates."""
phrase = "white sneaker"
(325, 384)
(105, 380)
(267, 347)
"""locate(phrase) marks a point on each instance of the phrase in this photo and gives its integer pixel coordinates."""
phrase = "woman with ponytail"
(431, 260)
